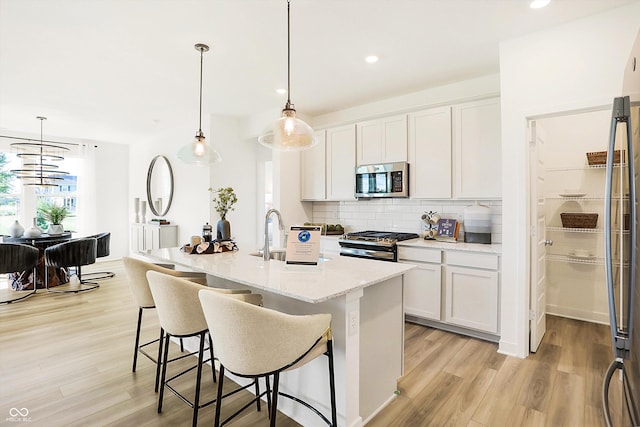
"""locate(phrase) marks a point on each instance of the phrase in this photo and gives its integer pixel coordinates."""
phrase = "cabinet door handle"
(548, 242)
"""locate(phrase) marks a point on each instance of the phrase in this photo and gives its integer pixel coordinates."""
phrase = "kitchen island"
(364, 298)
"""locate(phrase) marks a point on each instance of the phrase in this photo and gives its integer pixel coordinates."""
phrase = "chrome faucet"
(265, 253)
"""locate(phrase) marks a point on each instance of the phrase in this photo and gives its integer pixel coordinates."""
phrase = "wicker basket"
(579, 220)
(600, 157)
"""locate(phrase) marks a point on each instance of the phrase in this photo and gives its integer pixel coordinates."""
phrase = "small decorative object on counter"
(212, 247)
(16, 229)
(224, 201)
(207, 232)
(477, 224)
(430, 226)
(448, 230)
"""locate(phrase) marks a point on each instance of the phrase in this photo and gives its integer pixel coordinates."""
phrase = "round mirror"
(160, 185)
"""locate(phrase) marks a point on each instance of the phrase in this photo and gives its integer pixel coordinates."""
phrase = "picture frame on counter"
(448, 230)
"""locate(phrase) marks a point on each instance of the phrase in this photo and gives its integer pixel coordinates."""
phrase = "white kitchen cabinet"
(382, 140)
(313, 170)
(422, 294)
(477, 150)
(429, 153)
(471, 290)
(341, 161)
(145, 237)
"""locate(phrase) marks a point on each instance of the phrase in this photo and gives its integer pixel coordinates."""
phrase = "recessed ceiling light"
(537, 4)
(281, 91)
(371, 59)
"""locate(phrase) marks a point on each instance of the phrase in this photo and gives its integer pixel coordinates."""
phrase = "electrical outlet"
(354, 320)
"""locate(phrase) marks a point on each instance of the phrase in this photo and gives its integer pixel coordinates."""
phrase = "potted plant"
(54, 215)
(224, 201)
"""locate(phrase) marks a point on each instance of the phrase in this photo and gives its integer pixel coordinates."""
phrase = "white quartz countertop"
(335, 277)
(494, 248)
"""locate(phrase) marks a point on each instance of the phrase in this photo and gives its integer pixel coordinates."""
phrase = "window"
(16, 198)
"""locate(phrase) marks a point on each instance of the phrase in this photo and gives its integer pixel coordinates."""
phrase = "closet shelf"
(583, 168)
(579, 260)
(584, 230)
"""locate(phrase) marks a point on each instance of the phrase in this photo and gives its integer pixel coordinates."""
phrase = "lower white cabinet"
(458, 288)
(423, 291)
(471, 298)
(145, 237)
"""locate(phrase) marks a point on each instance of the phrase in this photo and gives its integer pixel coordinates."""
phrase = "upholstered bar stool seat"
(102, 250)
(255, 342)
(181, 316)
(16, 257)
(136, 271)
(74, 253)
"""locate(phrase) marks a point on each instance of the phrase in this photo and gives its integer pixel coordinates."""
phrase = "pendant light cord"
(200, 120)
(42, 119)
(288, 54)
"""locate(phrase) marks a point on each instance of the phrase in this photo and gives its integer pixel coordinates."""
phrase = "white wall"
(110, 198)
(573, 66)
(190, 206)
(238, 169)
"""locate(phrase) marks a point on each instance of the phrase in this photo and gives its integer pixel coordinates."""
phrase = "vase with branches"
(223, 203)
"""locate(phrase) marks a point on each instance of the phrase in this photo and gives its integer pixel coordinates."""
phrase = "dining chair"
(256, 342)
(18, 257)
(103, 250)
(181, 316)
(71, 254)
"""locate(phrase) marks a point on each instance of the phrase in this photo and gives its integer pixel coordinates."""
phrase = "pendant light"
(290, 133)
(199, 152)
(37, 158)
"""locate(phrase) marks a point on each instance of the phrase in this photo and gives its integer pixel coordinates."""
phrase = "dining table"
(23, 281)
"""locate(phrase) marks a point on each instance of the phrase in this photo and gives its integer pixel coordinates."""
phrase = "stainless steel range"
(380, 245)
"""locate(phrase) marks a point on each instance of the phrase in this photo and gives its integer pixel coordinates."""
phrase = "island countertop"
(331, 278)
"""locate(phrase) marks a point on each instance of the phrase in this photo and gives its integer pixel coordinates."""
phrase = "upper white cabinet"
(341, 161)
(476, 150)
(382, 140)
(313, 170)
(430, 153)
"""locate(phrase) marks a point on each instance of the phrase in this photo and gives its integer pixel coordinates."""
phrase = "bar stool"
(255, 342)
(18, 257)
(74, 253)
(181, 316)
(136, 271)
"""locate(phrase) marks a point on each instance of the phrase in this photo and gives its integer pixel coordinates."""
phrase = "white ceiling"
(126, 70)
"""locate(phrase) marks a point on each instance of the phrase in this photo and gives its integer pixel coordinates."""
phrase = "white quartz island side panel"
(364, 298)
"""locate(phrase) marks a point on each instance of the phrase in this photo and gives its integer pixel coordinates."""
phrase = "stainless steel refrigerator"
(621, 226)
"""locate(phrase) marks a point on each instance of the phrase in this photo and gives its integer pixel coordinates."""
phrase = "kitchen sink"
(279, 255)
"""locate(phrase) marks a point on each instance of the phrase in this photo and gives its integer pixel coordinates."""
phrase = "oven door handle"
(367, 253)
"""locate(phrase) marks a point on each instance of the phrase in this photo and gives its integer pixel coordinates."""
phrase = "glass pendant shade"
(198, 152)
(290, 134)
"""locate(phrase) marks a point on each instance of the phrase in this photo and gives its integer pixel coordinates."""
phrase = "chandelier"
(38, 161)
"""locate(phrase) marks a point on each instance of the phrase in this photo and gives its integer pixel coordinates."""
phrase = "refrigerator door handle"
(621, 114)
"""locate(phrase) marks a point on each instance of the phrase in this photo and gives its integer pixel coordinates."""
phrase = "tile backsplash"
(401, 215)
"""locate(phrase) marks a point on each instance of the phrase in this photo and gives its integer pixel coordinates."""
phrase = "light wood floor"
(67, 359)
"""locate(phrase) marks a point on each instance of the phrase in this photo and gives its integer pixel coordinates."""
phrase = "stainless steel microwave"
(382, 180)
